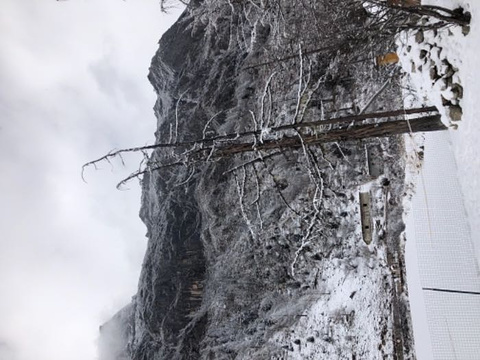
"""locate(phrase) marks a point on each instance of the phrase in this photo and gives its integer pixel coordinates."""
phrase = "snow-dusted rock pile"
(431, 64)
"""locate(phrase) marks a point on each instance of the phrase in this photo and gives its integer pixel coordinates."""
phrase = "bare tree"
(345, 128)
(457, 16)
(166, 5)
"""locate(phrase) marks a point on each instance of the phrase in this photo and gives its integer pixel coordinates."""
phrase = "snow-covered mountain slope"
(262, 254)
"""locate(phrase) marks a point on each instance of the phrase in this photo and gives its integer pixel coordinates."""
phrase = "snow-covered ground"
(465, 140)
(460, 51)
(443, 229)
(447, 325)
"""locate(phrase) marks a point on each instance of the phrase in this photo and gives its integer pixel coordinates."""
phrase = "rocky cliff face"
(260, 254)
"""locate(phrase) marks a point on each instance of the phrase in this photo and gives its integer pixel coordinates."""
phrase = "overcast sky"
(73, 86)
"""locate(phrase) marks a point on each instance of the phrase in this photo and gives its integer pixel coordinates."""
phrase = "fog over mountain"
(73, 85)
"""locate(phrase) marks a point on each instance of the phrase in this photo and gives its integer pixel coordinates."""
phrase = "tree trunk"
(389, 128)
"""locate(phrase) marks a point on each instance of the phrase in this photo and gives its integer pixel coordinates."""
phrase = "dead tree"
(166, 5)
(344, 129)
(457, 16)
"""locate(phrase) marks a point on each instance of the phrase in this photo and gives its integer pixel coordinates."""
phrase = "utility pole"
(357, 132)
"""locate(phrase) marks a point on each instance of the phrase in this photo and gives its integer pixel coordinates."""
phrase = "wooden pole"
(345, 120)
(349, 118)
(365, 131)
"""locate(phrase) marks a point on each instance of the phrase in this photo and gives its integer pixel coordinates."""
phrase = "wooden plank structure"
(366, 217)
